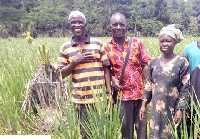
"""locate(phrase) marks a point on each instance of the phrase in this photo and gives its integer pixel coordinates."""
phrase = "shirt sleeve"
(144, 54)
(63, 59)
(184, 86)
(104, 57)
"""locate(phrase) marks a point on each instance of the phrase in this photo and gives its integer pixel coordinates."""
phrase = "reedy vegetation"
(19, 61)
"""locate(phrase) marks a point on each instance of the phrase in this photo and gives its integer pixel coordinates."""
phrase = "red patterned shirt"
(132, 82)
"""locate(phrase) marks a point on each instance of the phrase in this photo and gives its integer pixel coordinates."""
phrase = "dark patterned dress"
(167, 88)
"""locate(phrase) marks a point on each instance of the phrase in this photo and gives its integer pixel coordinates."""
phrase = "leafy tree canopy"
(49, 17)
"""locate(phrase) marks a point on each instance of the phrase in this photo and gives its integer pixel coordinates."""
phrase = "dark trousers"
(81, 114)
(129, 116)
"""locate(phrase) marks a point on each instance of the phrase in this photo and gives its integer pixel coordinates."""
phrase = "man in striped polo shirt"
(85, 59)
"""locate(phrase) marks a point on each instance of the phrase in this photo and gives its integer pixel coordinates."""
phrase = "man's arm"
(67, 70)
(107, 79)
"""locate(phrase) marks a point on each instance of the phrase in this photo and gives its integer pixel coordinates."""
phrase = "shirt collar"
(87, 40)
(113, 41)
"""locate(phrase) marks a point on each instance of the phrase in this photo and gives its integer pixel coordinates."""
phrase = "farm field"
(18, 62)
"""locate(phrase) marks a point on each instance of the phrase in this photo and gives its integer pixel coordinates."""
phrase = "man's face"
(77, 25)
(198, 23)
(118, 26)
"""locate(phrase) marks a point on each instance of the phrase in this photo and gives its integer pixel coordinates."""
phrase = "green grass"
(18, 63)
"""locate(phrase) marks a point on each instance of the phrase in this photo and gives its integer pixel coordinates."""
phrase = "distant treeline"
(49, 17)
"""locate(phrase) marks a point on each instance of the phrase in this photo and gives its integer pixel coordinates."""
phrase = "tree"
(150, 27)
(49, 16)
(12, 21)
(161, 11)
(192, 28)
(12, 3)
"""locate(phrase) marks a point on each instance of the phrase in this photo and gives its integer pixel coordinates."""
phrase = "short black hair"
(117, 13)
(198, 13)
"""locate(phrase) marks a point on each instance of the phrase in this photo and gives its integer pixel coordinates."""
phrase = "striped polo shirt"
(87, 78)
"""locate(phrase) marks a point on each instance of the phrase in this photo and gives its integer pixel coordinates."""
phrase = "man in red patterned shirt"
(132, 85)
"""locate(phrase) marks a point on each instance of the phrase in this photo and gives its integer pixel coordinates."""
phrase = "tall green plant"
(194, 127)
(103, 119)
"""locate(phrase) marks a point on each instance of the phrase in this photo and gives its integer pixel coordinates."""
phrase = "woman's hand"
(178, 116)
(142, 112)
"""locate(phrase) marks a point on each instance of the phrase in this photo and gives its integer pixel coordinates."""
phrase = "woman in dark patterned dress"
(167, 86)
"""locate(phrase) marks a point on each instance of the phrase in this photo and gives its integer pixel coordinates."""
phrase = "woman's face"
(167, 44)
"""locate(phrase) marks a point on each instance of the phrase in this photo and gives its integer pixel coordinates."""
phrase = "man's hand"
(81, 58)
(115, 84)
(78, 59)
(110, 98)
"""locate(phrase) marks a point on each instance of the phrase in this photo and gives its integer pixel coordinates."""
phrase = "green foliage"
(44, 55)
(103, 119)
(12, 21)
(50, 15)
(19, 61)
(192, 28)
(30, 27)
(28, 38)
(71, 130)
(161, 11)
(150, 27)
(3, 32)
(194, 130)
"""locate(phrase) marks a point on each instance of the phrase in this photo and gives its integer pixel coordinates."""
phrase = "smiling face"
(118, 26)
(77, 25)
(167, 44)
